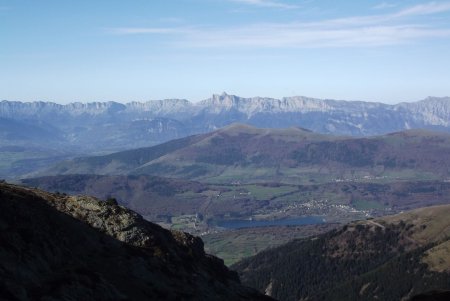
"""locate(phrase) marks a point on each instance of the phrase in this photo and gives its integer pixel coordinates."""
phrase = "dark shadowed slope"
(57, 247)
(432, 296)
(385, 259)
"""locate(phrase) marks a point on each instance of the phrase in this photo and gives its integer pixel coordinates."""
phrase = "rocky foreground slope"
(59, 247)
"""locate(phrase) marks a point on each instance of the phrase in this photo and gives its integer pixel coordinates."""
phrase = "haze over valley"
(37, 134)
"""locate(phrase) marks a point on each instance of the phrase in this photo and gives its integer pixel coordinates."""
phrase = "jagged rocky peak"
(222, 100)
(301, 103)
(436, 103)
(94, 108)
(165, 106)
(248, 106)
(436, 100)
(254, 105)
(14, 109)
(40, 108)
(431, 110)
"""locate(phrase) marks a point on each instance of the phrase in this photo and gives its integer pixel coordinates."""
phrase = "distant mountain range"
(36, 134)
(107, 126)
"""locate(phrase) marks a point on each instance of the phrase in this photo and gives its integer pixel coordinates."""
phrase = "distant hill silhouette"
(245, 153)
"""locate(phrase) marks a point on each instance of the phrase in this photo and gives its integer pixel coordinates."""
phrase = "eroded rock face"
(57, 247)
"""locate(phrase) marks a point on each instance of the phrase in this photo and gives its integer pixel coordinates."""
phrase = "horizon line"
(221, 94)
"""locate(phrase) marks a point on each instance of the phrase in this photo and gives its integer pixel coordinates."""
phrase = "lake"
(245, 223)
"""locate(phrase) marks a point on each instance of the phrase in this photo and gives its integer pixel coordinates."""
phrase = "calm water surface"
(237, 223)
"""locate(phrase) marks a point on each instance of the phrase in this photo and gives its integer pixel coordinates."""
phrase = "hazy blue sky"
(64, 51)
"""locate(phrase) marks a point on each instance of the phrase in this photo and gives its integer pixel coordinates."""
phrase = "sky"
(139, 50)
